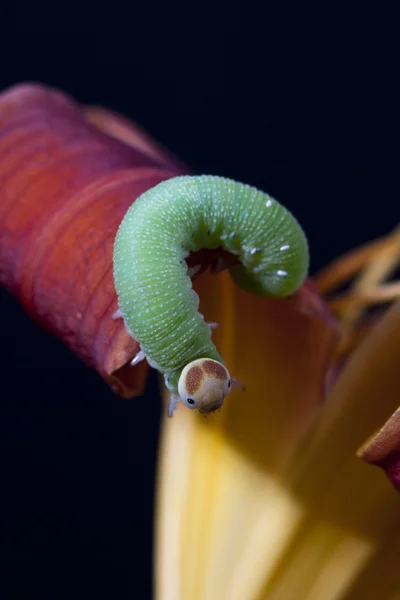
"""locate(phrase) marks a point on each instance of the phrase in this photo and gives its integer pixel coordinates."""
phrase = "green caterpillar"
(155, 295)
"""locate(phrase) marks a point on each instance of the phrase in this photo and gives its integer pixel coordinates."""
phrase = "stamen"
(375, 263)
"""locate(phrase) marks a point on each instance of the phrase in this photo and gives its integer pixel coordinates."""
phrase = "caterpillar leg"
(219, 263)
(193, 270)
(173, 401)
(118, 315)
(138, 358)
(236, 383)
(212, 325)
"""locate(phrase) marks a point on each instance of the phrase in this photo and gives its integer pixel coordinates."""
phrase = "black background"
(304, 105)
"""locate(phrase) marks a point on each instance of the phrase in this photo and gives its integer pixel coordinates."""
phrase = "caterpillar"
(154, 288)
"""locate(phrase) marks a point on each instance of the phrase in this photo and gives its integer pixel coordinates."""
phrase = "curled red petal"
(123, 129)
(64, 188)
(383, 449)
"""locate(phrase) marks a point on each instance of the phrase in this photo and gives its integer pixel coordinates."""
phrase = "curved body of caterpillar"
(159, 307)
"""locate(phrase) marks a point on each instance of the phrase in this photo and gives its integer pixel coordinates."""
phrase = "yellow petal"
(350, 513)
(254, 504)
(224, 517)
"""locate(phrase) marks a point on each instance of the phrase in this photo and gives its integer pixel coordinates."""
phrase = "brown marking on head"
(215, 369)
(193, 379)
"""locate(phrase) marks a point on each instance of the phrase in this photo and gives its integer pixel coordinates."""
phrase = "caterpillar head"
(203, 384)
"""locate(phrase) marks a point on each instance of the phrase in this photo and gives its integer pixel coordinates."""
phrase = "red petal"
(130, 133)
(383, 449)
(64, 188)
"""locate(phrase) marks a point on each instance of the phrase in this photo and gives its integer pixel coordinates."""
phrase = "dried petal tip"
(383, 449)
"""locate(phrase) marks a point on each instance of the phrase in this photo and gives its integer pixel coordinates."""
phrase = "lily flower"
(269, 500)
(272, 498)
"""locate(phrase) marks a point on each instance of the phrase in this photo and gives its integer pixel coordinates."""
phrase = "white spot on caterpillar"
(254, 250)
(281, 273)
(268, 203)
(284, 247)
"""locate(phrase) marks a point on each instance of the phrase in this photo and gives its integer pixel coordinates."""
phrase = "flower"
(268, 499)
